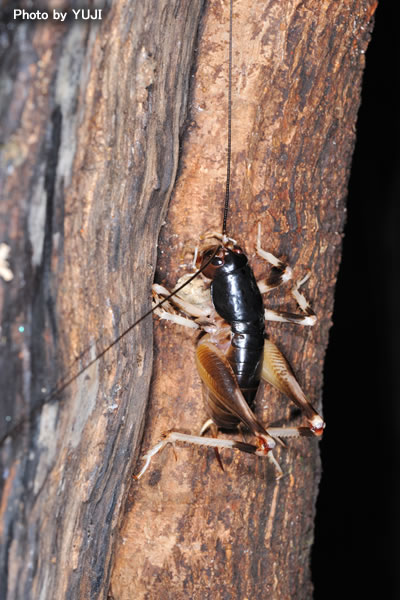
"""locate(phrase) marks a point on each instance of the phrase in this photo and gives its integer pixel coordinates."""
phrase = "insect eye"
(217, 261)
(210, 260)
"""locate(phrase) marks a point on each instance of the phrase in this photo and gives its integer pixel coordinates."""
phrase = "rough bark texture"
(192, 531)
(91, 114)
(91, 118)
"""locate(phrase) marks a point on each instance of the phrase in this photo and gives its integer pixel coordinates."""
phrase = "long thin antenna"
(66, 381)
(69, 378)
(229, 146)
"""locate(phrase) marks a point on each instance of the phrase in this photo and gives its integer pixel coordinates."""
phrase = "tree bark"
(90, 153)
(90, 147)
(191, 530)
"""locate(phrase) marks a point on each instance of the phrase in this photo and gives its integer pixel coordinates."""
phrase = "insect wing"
(225, 397)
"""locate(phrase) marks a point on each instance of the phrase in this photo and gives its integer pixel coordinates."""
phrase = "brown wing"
(225, 402)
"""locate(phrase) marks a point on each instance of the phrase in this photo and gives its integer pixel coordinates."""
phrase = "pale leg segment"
(218, 443)
(308, 319)
(282, 273)
(167, 312)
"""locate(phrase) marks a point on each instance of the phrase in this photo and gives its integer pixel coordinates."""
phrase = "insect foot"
(263, 448)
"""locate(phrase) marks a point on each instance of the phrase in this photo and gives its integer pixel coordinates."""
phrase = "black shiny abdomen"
(238, 301)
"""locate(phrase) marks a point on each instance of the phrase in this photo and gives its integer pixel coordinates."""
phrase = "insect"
(233, 354)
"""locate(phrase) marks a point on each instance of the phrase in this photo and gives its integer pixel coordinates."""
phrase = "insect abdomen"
(238, 301)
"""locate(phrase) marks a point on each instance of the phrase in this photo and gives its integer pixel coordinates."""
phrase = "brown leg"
(277, 371)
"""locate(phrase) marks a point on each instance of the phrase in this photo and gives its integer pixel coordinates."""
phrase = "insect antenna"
(68, 381)
(229, 144)
(65, 381)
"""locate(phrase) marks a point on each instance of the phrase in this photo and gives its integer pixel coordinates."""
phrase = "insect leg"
(302, 301)
(175, 318)
(174, 436)
(277, 371)
(282, 432)
(309, 318)
(225, 402)
(280, 273)
(210, 425)
(168, 313)
(287, 317)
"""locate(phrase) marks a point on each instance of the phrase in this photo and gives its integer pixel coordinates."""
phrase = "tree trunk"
(90, 148)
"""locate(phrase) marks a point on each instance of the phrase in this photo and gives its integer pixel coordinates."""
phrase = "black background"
(355, 554)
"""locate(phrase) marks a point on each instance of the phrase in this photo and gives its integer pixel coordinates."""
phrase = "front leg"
(200, 312)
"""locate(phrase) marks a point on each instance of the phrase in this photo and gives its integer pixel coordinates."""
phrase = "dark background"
(356, 550)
